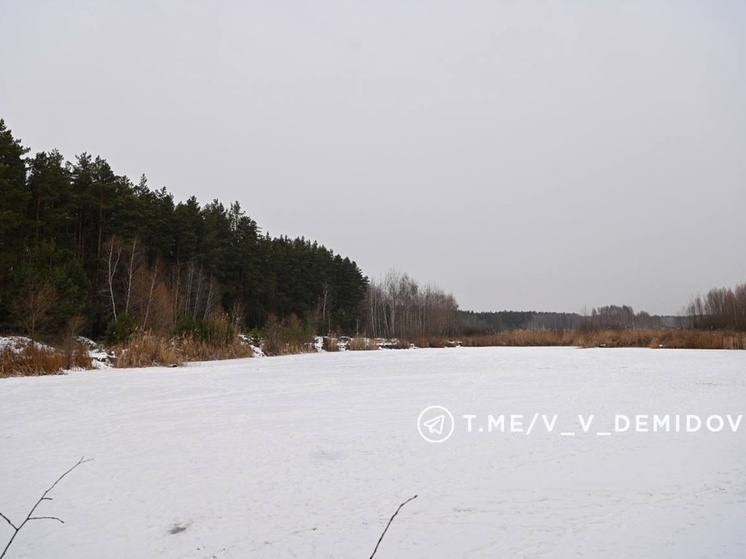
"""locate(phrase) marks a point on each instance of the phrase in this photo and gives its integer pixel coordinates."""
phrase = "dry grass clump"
(523, 338)
(77, 356)
(197, 350)
(734, 342)
(276, 345)
(675, 339)
(615, 338)
(435, 342)
(147, 350)
(330, 343)
(287, 337)
(362, 344)
(32, 360)
(699, 339)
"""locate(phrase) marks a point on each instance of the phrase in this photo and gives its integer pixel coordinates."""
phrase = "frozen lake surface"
(308, 456)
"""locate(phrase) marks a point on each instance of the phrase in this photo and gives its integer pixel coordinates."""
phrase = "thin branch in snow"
(30, 516)
(8, 521)
(47, 518)
(387, 525)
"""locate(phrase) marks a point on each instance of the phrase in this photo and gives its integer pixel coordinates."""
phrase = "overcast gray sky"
(523, 155)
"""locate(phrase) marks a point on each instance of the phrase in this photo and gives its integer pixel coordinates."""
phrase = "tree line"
(609, 317)
(83, 247)
(397, 306)
(85, 250)
(503, 321)
(720, 309)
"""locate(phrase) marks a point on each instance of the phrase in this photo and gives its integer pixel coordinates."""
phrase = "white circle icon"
(435, 424)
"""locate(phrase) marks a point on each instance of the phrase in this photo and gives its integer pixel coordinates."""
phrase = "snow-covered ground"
(309, 455)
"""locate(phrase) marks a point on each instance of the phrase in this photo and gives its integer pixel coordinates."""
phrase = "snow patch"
(101, 358)
(17, 344)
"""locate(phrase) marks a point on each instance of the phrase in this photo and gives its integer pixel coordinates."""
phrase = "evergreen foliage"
(76, 239)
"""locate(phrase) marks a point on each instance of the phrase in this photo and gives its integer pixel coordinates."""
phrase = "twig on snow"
(30, 516)
(387, 525)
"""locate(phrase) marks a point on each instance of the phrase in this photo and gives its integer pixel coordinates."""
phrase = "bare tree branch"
(387, 525)
(47, 518)
(44, 497)
(8, 521)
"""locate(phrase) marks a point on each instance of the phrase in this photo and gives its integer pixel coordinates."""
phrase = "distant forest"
(86, 251)
(720, 309)
(609, 317)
